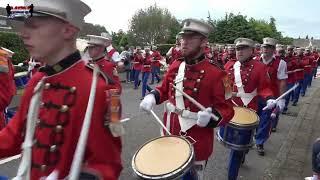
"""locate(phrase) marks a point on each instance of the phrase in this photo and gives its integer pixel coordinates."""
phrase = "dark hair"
(126, 48)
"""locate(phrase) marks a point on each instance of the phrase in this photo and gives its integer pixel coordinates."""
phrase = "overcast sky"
(293, 17)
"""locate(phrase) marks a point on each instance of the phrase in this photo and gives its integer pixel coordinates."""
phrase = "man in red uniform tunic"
(299, 74)
(291, 71)
(315, 61)
(231, 53)
(277, 70)
(174, 52)
(50, 117)
(253, 76)
(250, 82)
(137, 66)
(7, 83)
(97, 53)
(193, 75)
(309, 67)
(155, 66)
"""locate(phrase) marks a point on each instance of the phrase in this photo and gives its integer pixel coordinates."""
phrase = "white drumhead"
(162, 156)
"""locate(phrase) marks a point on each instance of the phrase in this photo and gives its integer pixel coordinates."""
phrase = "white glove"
(148, 102)
(271, 103)
(281, 104)
(204, 117)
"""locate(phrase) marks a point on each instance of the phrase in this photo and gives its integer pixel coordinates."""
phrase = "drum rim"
(238, 125)
(21, 74)
(167, 175)
(233, 146)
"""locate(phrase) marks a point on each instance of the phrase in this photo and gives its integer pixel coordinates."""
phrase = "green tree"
(91, 29)
(13, 42)
(152, 25)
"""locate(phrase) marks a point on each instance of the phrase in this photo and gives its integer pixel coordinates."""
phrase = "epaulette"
(108, 79)
(216, 64)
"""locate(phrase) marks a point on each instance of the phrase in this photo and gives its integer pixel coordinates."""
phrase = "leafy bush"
(13, 42)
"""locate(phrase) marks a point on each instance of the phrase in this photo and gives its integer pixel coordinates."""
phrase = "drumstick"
(124, 120)
(200, 106)
(287, 92)
(160, 122)
(284, 94)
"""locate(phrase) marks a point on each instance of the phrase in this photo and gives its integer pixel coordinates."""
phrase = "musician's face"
(290, 52)
(268, 51)
(243, 53)
(192, 44)
(96, 51)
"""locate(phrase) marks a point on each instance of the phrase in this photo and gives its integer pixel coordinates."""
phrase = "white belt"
(245, 95)
(170, 108)
(146, 65)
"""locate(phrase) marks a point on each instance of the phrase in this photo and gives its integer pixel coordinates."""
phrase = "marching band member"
(146, 70)
(292, 78)
(230, 54)
(299, 75)
(277, 70)
(155, 64)
(174, 52)
(49, 120)
(250, 82)
(97, 53)
(308, 68)
(315, 61)
(137, 66)
(7, 83)
(194, 74)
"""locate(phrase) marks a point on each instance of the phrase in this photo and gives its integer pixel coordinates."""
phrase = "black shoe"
(274, 130)
(243, 159)
(302, 95)
(139, 83)
(294, 104)
(158, 80)
(260, 149)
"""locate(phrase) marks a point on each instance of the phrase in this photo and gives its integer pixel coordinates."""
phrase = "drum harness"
(246, 98)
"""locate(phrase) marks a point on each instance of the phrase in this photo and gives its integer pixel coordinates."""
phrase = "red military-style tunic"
(156, 59)
(206, 83)
(299, 64)
(146, 63)
(315, 59)
(110, 72)
(137, 61)
(7, 84)
(254, 78)
(175, 54)
(307, 61)
(272, 69)
(291, 67)
(64, 100)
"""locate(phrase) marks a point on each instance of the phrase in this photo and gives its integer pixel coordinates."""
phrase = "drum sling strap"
(246, 98)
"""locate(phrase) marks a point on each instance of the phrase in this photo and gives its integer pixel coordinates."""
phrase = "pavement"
(288, 151)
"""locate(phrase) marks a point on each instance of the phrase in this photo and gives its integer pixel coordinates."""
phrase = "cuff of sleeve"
(156, 95)
(213, 123)
(269, 97)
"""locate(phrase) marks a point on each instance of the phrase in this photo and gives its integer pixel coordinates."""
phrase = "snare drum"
(238, 134)
(21, 79)
(166, 157)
